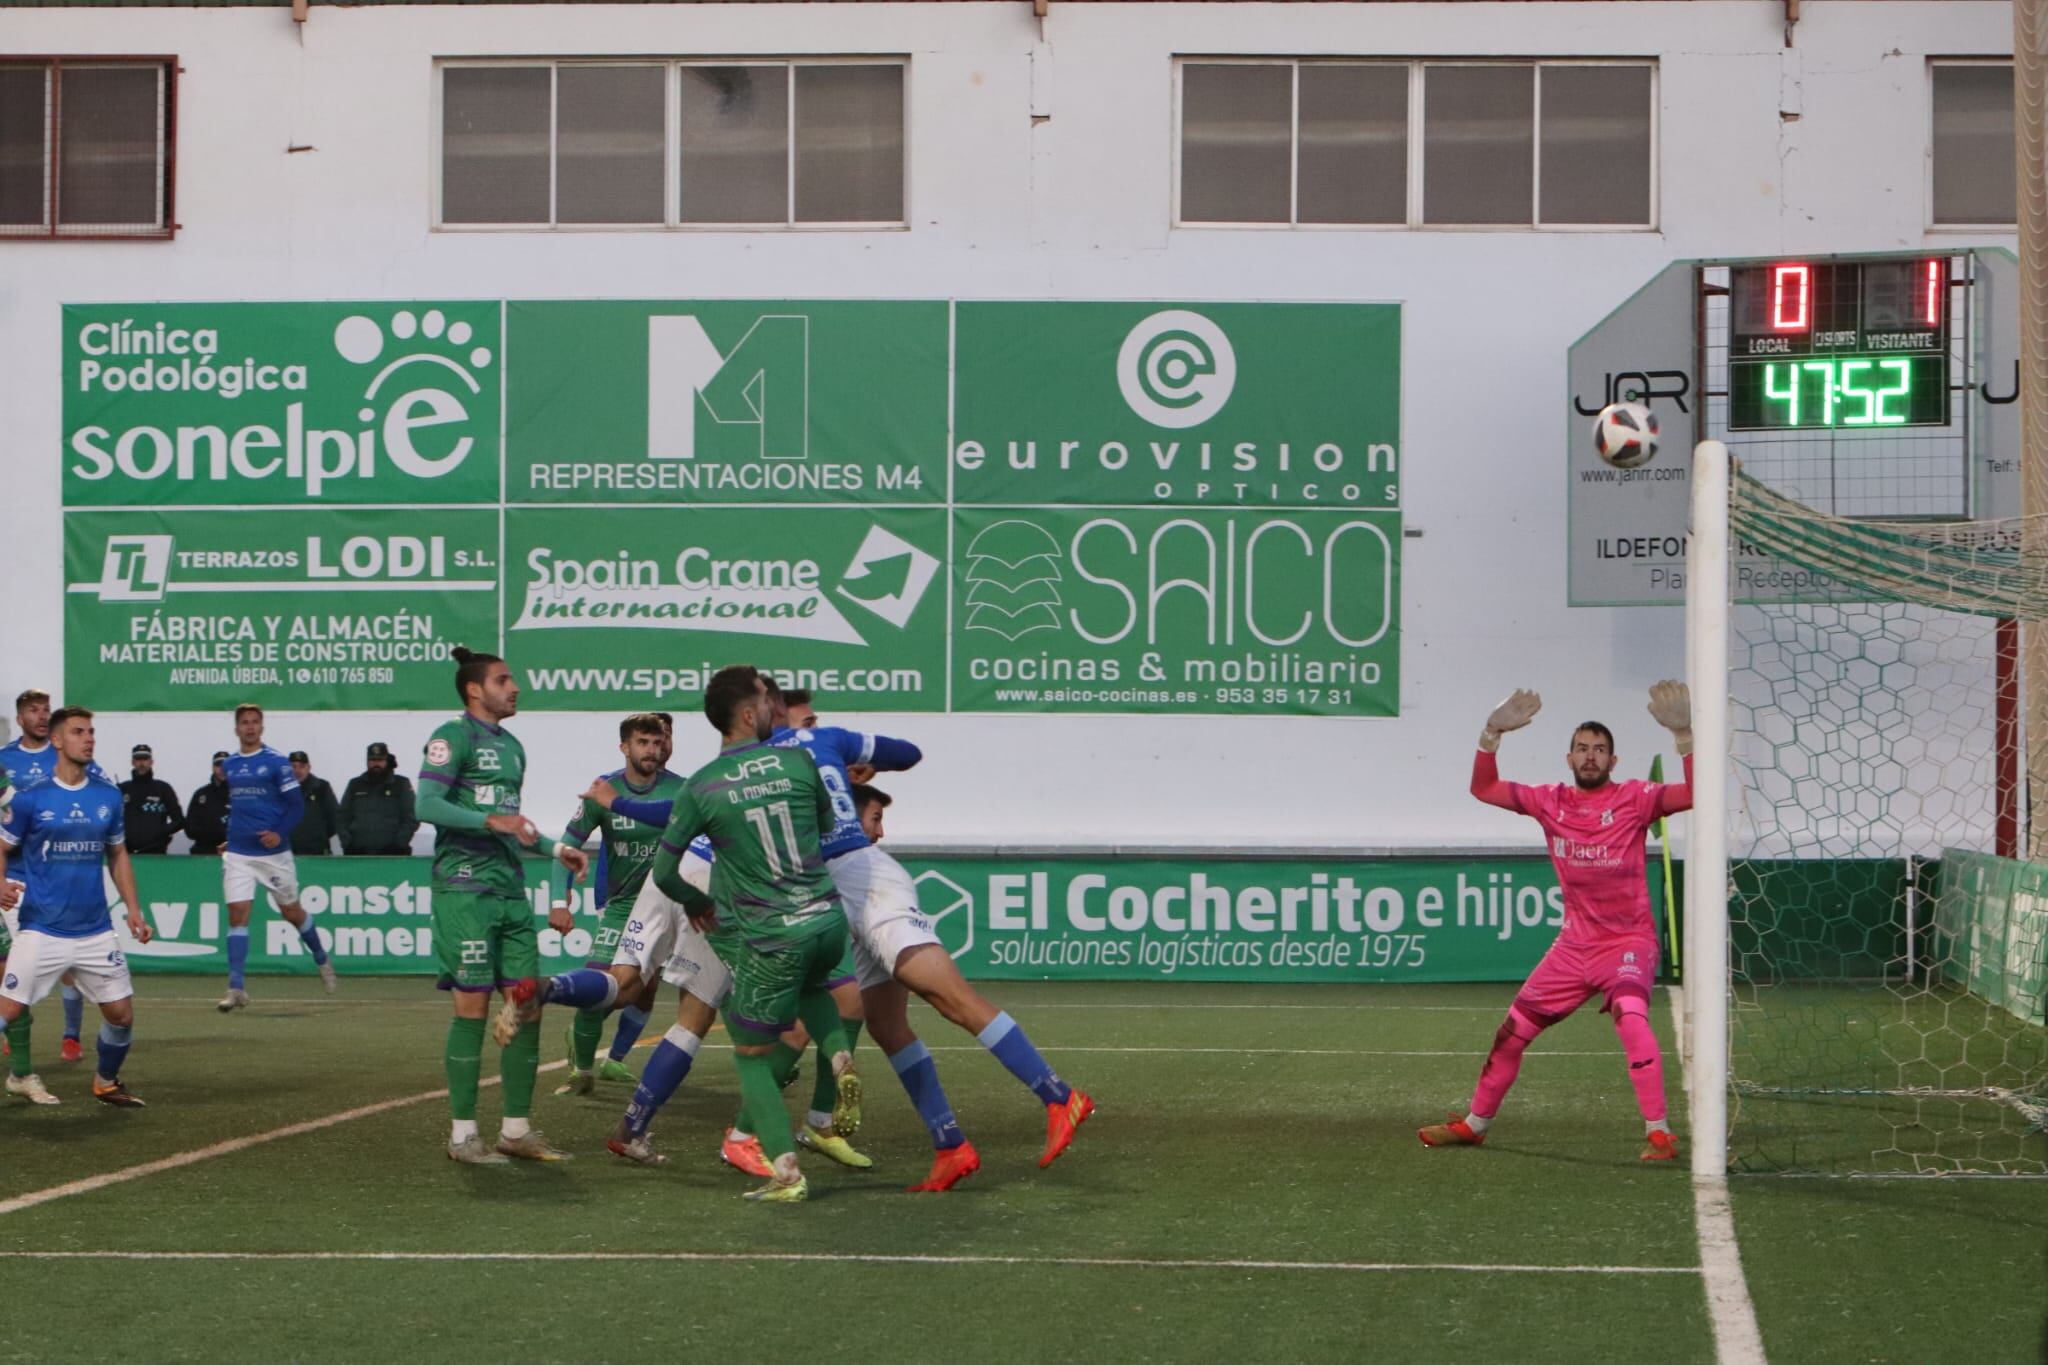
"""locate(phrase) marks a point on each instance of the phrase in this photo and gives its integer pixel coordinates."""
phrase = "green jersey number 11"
(758, 817)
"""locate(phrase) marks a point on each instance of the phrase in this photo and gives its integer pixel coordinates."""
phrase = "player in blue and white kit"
(896, 952)
(64, 836)
(29, 762)
(264, 806)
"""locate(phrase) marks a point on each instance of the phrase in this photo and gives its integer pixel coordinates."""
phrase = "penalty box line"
(89, 1184)
(863, 1258)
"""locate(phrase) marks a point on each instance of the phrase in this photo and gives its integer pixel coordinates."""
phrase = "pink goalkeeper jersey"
(1596, 841)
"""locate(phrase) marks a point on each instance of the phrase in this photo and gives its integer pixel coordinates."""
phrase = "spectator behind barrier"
(377, 818)
(314, 834)
(149, 805)
(206, 816)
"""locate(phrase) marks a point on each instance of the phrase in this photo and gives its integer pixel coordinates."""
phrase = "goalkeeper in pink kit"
(1608, 947)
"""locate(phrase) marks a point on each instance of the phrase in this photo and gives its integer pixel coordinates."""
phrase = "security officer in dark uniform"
(377, 816)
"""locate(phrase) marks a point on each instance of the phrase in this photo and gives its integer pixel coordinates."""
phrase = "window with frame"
(564, 144)
(1563, 144)
(1973, 174)
(86, 147)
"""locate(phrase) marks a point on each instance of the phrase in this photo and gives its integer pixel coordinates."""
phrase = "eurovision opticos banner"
(1105, 919)
(907, 506)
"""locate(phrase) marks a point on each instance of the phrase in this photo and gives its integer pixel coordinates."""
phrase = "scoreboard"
(1838, 344)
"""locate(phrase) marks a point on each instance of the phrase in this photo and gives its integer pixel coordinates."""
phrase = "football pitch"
(1250, 1188)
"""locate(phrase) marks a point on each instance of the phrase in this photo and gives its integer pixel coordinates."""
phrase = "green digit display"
(1851, 389)
(1789, 395)
(1826, 370)
(1904, 369)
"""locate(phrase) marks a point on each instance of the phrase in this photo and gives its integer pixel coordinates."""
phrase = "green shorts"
(844, 970)
(611, 927)
(483, 941)
(766, 984)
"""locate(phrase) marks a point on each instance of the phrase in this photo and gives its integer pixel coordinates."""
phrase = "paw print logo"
(361, 341)
(436, 362)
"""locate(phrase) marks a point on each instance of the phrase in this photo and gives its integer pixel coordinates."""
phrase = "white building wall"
(1821, 146)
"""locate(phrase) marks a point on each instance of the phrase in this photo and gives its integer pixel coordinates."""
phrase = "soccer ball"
(1625, 434)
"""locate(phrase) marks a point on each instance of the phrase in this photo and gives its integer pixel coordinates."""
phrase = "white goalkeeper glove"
(1518, 710)
(1671, 707)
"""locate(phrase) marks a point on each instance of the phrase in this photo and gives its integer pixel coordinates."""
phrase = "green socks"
(517, 1063)
(825, 1089)
(583, 1038)
(761, 1099)
(17, 1042)
(464, 1059)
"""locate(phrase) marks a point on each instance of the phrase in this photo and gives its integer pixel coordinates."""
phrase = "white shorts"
(659, 936)
(242, 873)
(97, 965)
(881, 912)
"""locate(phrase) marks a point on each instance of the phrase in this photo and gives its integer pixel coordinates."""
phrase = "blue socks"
(920, 1077)
(1014, 1051)
(586, 988)
(238, 958)
(632, 1022)
(113, 1048)
(311, 938)
(664, 1072)
(74, 1012)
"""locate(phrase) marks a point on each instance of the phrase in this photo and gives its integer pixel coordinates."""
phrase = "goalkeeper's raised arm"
(1517, 711)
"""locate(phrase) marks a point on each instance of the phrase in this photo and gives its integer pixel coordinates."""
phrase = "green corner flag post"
(1664, 847)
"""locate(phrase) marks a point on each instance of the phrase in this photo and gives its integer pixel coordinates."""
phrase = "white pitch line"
(227, 1148)
(865, 1258)
(1737, 1340)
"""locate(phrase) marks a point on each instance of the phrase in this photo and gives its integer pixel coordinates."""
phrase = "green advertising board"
(640, 606)
(727, 402)
(1055, 508)
(1188, 610)
(326, 607)
(281, 404)
(1003, 918)
(1218, 405)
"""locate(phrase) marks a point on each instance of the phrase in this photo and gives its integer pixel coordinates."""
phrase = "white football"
(1625, 434)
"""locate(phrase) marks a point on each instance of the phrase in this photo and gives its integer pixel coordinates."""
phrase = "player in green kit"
(484, 935)
(778, 923)
(629, 848)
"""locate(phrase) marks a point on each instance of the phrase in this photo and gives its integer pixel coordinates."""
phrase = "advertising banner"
(726, 401)
(1180, 611)
(1075, 919)
(1154, 508)
(313, 608)
(637, 608)
(246, 404)
(1221, 405)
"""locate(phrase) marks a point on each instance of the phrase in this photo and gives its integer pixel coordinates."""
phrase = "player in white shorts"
(897, 952)
(264, 806)
(63, 833)
(662, 931)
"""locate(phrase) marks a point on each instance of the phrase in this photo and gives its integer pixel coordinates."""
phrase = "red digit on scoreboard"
(1791, 298)
(1930, 294)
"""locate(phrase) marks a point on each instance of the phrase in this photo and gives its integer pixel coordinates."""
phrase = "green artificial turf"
(1237, 1124)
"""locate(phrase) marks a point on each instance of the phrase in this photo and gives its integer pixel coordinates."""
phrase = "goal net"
(1886, 966)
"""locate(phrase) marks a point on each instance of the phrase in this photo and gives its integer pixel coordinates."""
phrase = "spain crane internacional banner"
(906, 505)
(1075, 919)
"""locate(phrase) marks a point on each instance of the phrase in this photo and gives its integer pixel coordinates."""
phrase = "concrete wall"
(1817, 147)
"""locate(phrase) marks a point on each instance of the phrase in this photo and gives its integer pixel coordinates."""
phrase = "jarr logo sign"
(280, 403)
